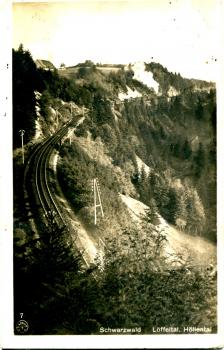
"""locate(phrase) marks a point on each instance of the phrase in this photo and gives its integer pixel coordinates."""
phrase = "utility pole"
(57, 116)
(97, 199)
(22, 133)
(70, 137)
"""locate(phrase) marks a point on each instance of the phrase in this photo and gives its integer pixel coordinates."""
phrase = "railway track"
(36, 178)
(36, 184)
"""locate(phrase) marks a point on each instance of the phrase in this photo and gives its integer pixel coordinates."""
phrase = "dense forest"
(173, 133)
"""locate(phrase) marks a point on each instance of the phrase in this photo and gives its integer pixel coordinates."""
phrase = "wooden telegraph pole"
(22, 133)
(71, 109)
(97, 199)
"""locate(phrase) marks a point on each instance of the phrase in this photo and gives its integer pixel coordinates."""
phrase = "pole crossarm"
(97, 200)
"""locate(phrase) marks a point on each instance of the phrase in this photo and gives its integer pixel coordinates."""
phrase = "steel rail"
(45, 196)
(41, 181)
(40, 159)
(32, 181)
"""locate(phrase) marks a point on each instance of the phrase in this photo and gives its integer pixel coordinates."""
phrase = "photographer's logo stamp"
(22, 326)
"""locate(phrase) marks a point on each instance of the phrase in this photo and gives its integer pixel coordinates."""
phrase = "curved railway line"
(36, 178)
(40, 198)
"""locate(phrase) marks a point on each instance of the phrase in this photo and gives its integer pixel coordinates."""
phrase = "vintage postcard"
(111, 174)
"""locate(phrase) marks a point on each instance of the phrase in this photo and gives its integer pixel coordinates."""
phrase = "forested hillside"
(148, 134)
(172, 132)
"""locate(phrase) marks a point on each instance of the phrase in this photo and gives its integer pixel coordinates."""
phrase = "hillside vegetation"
(158, 148)
(174, 136)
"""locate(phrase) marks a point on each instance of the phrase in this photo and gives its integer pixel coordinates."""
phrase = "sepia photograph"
(114, 152)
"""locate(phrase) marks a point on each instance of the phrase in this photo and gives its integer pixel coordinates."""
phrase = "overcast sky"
(180, 34)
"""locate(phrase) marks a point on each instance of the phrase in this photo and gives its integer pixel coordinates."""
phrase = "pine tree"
(181, 211)
(151, 214)
(195, 212)
(170, 209)
(199, 212)
(199, 160)
(159, 192)
(25, 80)
(144, 186)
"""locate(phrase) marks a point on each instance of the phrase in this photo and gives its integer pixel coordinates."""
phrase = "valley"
(133, 177)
